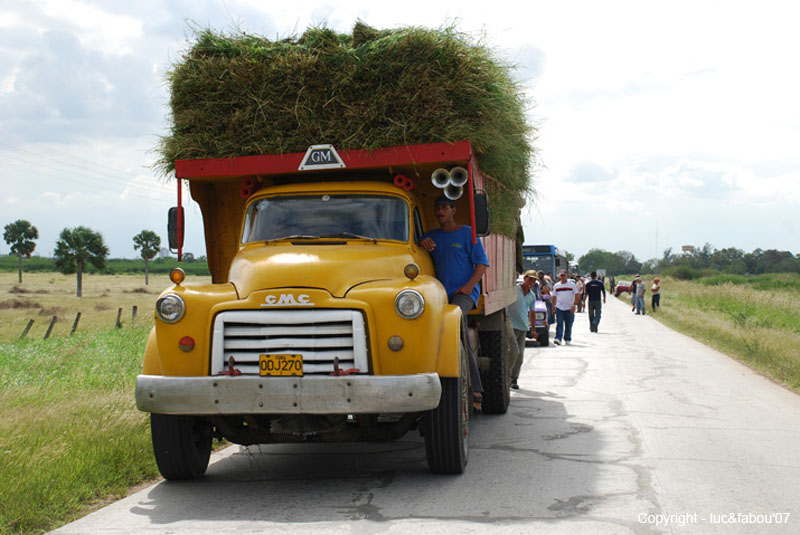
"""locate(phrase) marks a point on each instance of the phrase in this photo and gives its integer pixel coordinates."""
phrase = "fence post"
(119, 318)
(50, 328)
(27, 328)
(134, 310)
(75, 323)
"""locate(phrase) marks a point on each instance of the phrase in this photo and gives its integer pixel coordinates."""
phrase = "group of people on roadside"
(573, 295)
(638, 292)
(460, 265)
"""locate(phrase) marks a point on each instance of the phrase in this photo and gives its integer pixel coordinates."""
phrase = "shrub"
(682, 273)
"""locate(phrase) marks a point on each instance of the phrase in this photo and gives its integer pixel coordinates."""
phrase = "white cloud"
(98, 28)
(7, 82)
(149, 188)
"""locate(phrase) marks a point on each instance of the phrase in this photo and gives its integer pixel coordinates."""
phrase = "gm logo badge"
(287, 300)
(321, 157)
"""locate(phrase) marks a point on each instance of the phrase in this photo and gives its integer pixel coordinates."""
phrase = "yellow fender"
(152, 362)
(450, 342)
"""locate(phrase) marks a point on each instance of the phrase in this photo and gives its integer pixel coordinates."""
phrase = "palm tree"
(149, 242)
(20, 235)
(77, 247)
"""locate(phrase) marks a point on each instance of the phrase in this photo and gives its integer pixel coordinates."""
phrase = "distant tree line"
(691, 263)
(81, 250)
(114, 266)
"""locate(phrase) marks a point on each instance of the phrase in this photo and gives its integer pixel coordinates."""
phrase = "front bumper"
(351, 394)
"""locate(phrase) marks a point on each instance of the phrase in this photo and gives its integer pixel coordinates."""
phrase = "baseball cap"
(443, 200)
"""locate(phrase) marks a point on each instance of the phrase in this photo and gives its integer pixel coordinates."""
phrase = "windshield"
(339, 216)
(538, 263)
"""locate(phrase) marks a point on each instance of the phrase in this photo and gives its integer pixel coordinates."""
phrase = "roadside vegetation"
(693, 262)
(113, 266)
(755, 319)
(70, 434)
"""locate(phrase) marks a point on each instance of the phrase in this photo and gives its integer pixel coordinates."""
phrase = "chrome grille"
(319, 335)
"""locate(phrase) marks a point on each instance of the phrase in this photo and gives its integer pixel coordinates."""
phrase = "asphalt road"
(635, 429)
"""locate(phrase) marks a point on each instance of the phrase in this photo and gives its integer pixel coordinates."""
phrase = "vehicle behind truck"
(324, 320)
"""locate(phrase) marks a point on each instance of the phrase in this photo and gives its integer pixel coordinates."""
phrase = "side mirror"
(175, 228)
(481, 213)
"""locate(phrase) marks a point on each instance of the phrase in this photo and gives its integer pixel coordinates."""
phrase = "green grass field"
(70, 434)
(754, 319)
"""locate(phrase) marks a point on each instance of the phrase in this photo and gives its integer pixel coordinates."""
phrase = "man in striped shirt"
(567, 297)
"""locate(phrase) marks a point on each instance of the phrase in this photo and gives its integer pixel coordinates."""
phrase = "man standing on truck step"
(567, 297)
(520, 314)
(459, 265)
(593, 290)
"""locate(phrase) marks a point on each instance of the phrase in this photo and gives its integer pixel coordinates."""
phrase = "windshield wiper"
(351, 235)
(294, 237)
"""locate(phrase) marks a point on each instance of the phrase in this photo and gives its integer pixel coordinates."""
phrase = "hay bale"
(234, 95)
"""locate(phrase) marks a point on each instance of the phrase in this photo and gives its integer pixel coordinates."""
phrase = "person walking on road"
(567, 296)
(459, 265)
(655, 292)
(641, 289)
(519, 313)
(594, 288)
(581, 297)
(634, 283)
(545, 293)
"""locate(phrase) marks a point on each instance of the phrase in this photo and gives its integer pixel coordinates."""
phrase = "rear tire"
(182, 445)
(497, 381)
(447, 426)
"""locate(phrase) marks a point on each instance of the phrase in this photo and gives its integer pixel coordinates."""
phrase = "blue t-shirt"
(455, 258)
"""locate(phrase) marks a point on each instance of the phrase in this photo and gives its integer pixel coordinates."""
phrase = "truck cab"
(324, 320)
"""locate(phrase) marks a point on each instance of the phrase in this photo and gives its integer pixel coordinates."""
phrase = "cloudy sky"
(659, 124)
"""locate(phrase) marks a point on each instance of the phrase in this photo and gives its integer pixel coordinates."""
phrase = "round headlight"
(409, 304)
(170, 308)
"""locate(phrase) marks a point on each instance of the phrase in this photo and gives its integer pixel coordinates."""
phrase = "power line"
(83, 183)
(53, 164)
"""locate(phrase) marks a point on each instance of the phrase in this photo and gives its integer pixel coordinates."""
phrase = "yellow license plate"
(280, 365)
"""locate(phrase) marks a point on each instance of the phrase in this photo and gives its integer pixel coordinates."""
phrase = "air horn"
(452, 181)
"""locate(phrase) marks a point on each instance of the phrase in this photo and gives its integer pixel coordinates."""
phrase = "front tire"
(447, 426)
(182, 445)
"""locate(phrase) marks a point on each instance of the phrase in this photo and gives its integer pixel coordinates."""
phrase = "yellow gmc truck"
(324, 320)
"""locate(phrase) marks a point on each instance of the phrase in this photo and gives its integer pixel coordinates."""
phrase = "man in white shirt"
(567, 297)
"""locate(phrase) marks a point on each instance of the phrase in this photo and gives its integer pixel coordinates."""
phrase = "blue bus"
(547, 258)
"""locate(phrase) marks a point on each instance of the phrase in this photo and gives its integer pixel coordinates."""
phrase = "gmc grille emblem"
(287, 300)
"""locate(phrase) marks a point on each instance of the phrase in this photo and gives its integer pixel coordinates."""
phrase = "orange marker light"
(177, 275)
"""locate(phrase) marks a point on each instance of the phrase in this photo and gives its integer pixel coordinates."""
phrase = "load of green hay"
(245, 95)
